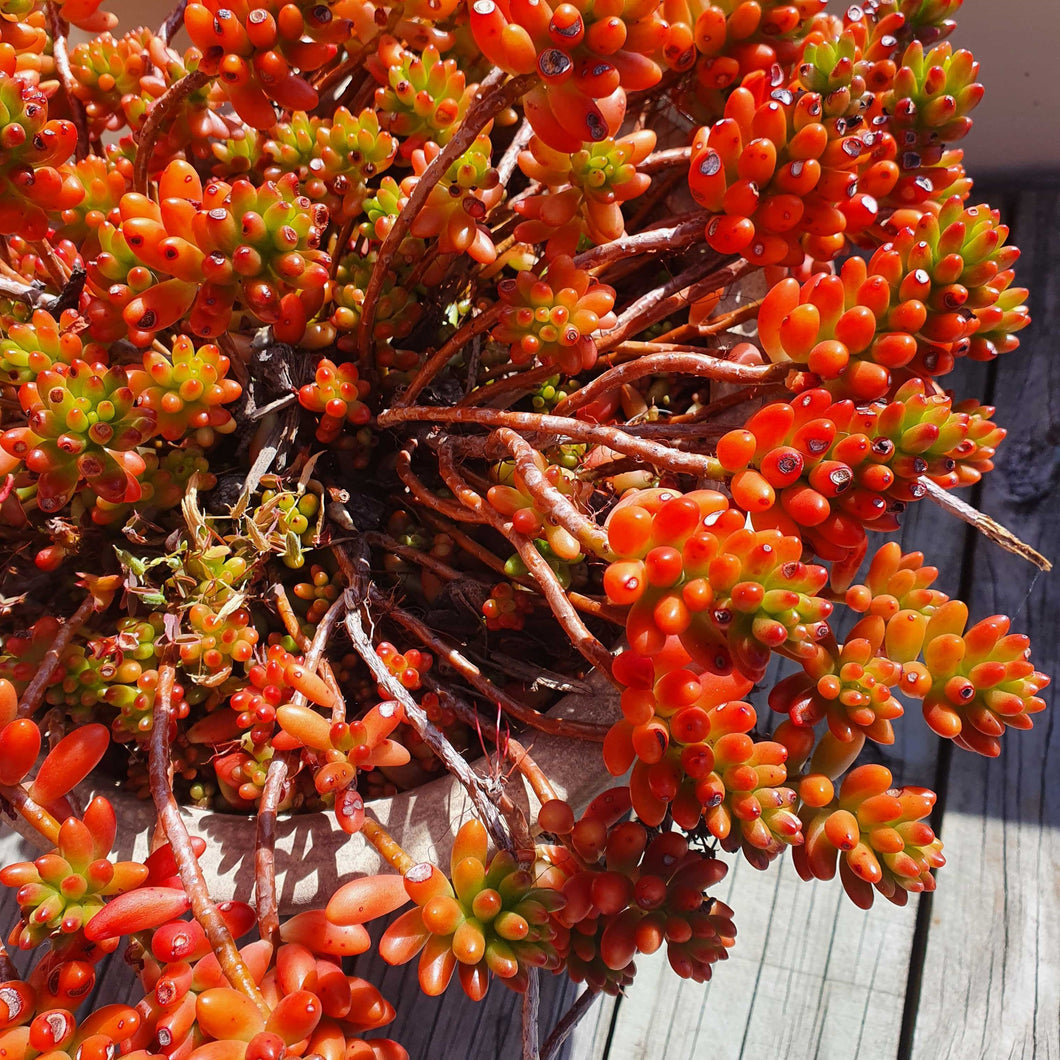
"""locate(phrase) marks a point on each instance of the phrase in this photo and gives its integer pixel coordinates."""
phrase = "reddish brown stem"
(417, 556)
(713, 325)
(660, 456)
(736, 398)
(684, 288)
(467, 543)
(586, 604)
(473, 675)
(680, 236)
(494, 94)
(531, 771)
(265, 850)
(560, 508)
(510, 387)
(31, 698)
(659, 194)
(570, 1019)
(673, 156)
(158, 115)
(174, 20)
(445, 508)
(59, 29)
(191, 875)
(590, 648)
(438, 360)
(355, 63)
(670, 360)
(510, 158)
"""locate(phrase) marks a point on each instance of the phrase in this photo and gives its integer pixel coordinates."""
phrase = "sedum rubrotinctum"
(434, 295)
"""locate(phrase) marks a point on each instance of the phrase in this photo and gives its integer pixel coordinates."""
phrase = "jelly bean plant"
(356, 356)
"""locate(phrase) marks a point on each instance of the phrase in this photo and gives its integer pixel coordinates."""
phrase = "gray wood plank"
(451, 1026)
(810, 975)
(991, 985)
(809, 969)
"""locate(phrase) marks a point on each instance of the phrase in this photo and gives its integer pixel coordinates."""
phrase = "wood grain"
(991, 977)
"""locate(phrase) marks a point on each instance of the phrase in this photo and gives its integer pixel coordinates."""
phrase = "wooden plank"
(991, 984)
(810, 975)
(808, 967)
(451, 1027)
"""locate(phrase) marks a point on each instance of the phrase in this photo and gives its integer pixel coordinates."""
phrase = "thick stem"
(591, 649)
(431, 736)
(695, 282)
(36, 817)
(982, 522)
(31, 698)
(191, 876)
(672, 156)
(571, 1018)
(712, 325)
(531, 771)
(531, 1015)
(389, 848)
(265, 850)
(438, 360)
(474, 676)
(288, 617)
(665, 359)
(660, 456)
(174, 20)
(493, 96)
(60, 54)
(680, 236)
(580, 527)
(163, 109)
(446, 508)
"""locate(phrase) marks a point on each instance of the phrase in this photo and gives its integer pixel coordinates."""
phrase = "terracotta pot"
(314, 856)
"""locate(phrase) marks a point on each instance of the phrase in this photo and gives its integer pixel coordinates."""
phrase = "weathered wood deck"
(971, 972)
